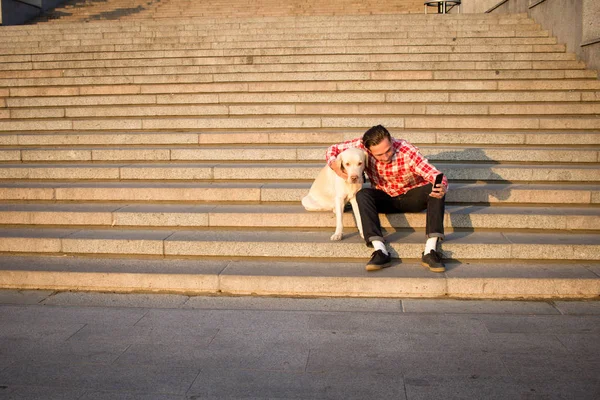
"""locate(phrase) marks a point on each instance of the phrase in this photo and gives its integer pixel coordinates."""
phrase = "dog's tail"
(310, 204)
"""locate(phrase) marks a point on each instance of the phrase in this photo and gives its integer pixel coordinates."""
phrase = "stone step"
(408, 36)
(204, 36)
(291, 20)
(368, 9)
(248, 244)
(124, 215)
(290, 109)
(544, 80)
(395, 80)
(280, 192)
(123, 50)
(206, 39)
(405, 43)
(221, 28)
(297, 137)
(209, 63)
(175, 10)
(21, 98)
(234, 153)
(482, 21)
(69, 97)
(281, 121)
(184, 46)
(518, 280)
(168, 123)
(158, 171)
(261, 24)
(399, 68)
(259, 63)
(228, 32)
(190, 49)
(311, 110)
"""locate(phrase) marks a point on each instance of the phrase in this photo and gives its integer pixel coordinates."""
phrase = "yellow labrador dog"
(330, 192)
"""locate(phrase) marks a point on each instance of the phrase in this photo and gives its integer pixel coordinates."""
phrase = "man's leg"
(435, 217)
(370, 203)
(416, 200)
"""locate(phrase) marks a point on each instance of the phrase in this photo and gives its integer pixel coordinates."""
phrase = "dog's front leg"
(339, 215)
(357, 216)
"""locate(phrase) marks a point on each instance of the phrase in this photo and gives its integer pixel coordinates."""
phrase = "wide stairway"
(168, 150)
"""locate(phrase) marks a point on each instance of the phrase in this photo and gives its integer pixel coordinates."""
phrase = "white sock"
(431, 244)
(379, 245)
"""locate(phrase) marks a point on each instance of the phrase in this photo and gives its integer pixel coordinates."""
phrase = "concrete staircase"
(170, 154)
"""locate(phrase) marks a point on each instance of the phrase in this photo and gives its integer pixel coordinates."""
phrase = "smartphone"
(438, 180)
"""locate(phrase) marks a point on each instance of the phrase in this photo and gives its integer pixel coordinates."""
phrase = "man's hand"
(338, 170)
(438, 191)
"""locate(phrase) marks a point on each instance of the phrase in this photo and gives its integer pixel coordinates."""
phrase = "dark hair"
(375, 135)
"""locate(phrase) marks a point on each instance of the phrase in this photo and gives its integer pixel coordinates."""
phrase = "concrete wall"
(575, 23)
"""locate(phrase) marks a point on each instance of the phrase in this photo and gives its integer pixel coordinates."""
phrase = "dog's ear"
(340, 162)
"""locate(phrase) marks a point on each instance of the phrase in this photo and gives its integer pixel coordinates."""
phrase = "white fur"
(330, 192)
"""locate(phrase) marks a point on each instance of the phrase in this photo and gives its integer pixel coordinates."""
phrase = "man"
(401, 181)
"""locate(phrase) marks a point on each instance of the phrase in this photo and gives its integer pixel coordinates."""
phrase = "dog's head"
(353, 161)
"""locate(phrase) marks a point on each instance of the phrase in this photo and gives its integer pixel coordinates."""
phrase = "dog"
(331, 192)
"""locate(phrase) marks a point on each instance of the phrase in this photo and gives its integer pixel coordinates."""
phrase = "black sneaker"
(378, 261)
(433, 261)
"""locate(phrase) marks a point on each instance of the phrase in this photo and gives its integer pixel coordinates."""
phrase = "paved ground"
(168, 347)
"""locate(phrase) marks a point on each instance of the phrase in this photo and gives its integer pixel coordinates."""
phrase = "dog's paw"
(336, 236)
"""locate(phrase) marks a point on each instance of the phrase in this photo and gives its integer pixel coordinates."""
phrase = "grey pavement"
(95, 346)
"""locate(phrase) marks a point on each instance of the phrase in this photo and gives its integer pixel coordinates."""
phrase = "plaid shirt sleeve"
(334, 150)
(421, 166)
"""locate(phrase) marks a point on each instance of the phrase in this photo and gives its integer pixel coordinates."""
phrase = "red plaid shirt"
(407, 170)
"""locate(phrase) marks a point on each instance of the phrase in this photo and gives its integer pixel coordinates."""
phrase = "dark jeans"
(372, 202)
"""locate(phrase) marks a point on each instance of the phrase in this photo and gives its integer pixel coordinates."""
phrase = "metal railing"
(442, 5)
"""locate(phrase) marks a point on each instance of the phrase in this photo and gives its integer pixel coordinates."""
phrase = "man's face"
(383, 152)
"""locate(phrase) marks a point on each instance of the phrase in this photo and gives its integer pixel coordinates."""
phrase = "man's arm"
(334, 150)
(421, 166)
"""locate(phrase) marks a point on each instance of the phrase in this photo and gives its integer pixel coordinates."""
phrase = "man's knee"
(362, 195)
(436, 202)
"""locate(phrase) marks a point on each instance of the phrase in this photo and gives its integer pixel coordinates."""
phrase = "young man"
(401, 181)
